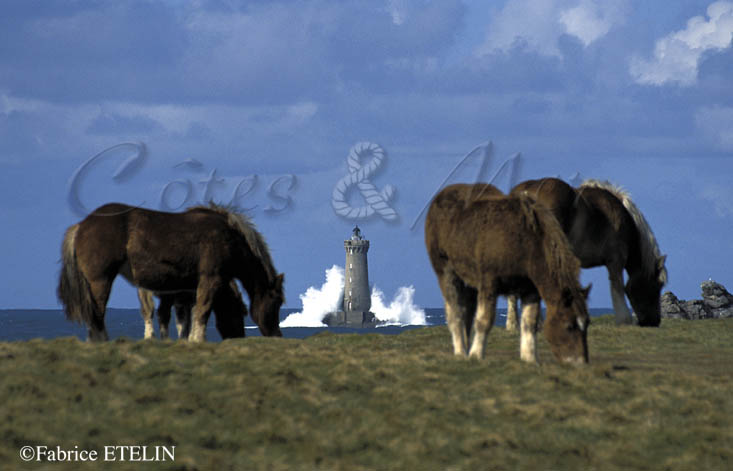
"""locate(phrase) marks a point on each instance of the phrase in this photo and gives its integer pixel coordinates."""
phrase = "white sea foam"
(402, 309)
(317, 302)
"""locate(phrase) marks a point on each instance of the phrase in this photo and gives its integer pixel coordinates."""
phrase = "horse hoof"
(575, 361)
(476, 355)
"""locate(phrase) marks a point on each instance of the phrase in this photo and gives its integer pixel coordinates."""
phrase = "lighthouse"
(357, 295)
(356, 274)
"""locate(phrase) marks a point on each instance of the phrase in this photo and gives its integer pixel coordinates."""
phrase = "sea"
(27, 324)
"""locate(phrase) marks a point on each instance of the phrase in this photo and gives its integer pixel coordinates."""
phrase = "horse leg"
(183, 320)
(616, 279)
(512, 323)
(164, 315)
(205, 294)
(147, 309)
(229, 312)
(485, 316)
(530, 326)
(460, 304)
(467, 302)
(229, 326)
(456, 325)
(100, 294)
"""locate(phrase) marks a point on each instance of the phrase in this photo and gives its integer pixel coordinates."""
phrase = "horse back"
(593, 219)
(554, 194)
(482, 239)
(101, 239)
(610, 223)
(464, 194)
(445, 207)
(181, 246)
(154, 249)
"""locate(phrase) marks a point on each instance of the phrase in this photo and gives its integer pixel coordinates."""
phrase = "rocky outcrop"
(716, 302)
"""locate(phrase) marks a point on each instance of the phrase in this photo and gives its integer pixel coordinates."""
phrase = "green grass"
(651, 399)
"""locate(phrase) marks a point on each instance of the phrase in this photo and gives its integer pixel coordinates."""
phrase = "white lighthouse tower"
(356, 274)
(357, 295)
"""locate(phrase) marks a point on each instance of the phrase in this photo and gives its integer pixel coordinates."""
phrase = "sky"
(259, 103)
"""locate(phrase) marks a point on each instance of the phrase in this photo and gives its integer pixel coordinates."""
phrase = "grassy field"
(651, 399)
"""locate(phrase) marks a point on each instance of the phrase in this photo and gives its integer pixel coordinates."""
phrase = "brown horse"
(604, 227)
(483, 244)
(228, 308)
(200, 250)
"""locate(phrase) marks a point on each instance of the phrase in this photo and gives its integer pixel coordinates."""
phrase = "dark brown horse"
(200, 250)
(604, 227)
(483, 244)
(228, 308)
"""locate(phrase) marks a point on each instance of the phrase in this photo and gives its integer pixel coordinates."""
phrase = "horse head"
(265, 307)
(566, 327)
(644, 290)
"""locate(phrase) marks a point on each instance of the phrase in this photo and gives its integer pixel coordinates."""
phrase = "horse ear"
(280, 279)
(586, 291)
(660, 262)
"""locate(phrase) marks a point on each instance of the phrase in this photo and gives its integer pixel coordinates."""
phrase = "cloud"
(590, 20)
(115, 124)
(677, 56)
(721, 197)
(538, 24)
(30, 128)
(716, 123)
(272, 78)
(277, 52)
(91, 50)
(398, 10)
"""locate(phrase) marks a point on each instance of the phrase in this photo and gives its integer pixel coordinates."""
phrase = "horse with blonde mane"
(605, 228)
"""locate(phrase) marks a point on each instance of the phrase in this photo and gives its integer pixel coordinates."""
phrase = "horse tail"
(74, 291)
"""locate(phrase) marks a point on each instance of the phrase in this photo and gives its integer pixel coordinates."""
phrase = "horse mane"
(650, 252)
(244, 225)
(561, 262)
